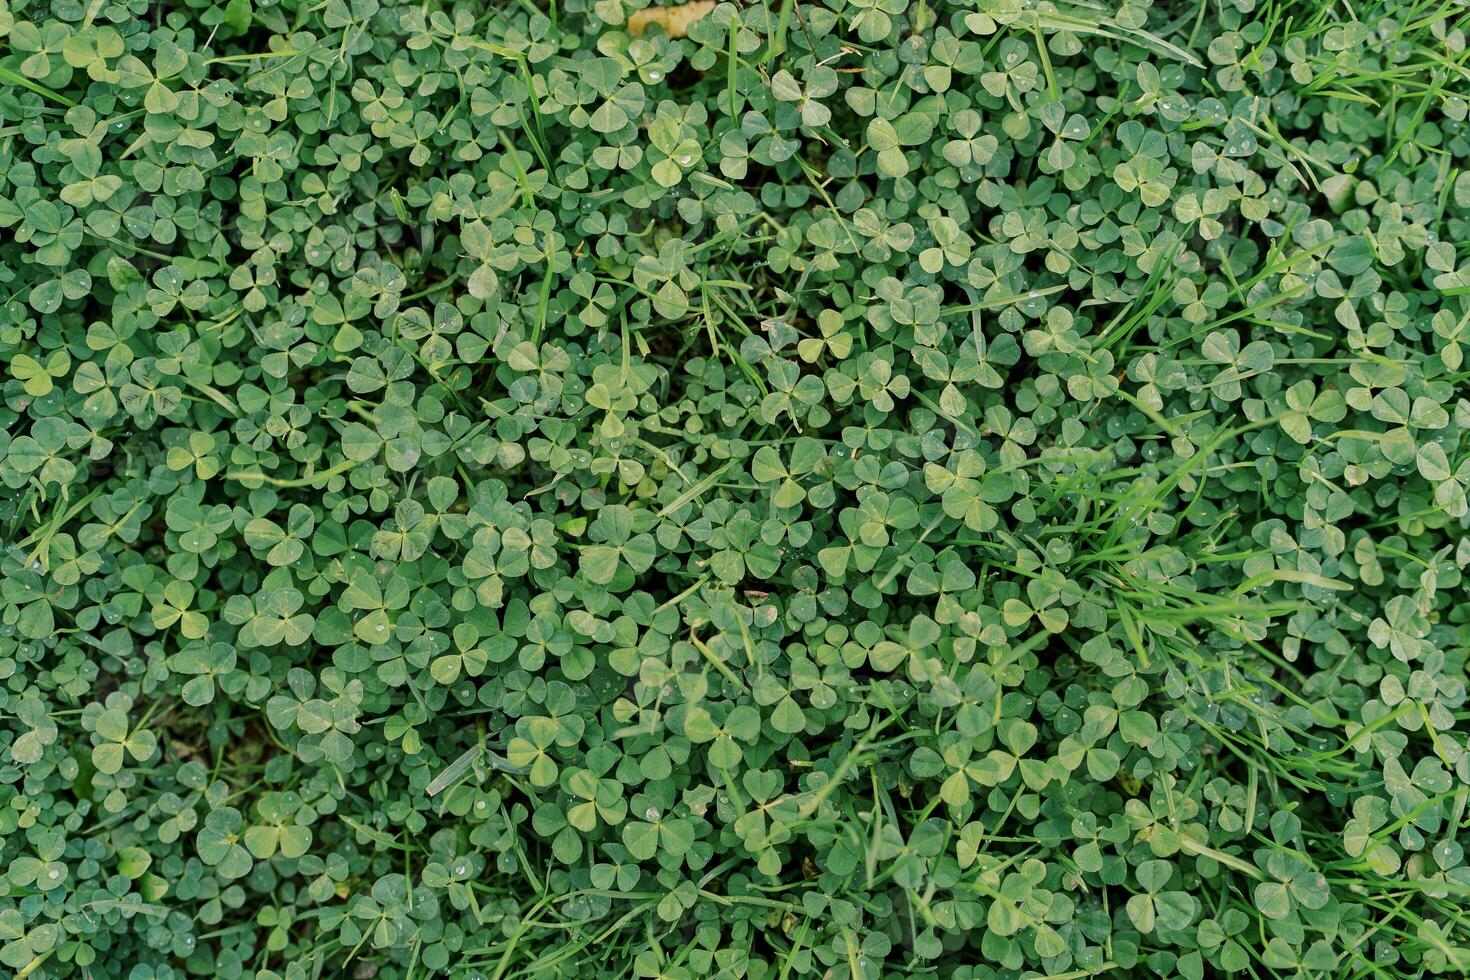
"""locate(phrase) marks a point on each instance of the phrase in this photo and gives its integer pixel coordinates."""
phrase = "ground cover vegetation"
(861, 489)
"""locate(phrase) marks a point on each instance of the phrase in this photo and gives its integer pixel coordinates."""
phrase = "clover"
(671, 489)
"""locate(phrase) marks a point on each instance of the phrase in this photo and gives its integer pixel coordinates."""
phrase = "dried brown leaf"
(675, 21)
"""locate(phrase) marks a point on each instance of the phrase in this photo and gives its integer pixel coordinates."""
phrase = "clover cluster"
(955, 489)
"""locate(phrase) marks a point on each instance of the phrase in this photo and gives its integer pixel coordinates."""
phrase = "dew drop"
(655, 75)
(651, 814)
(686, 160)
